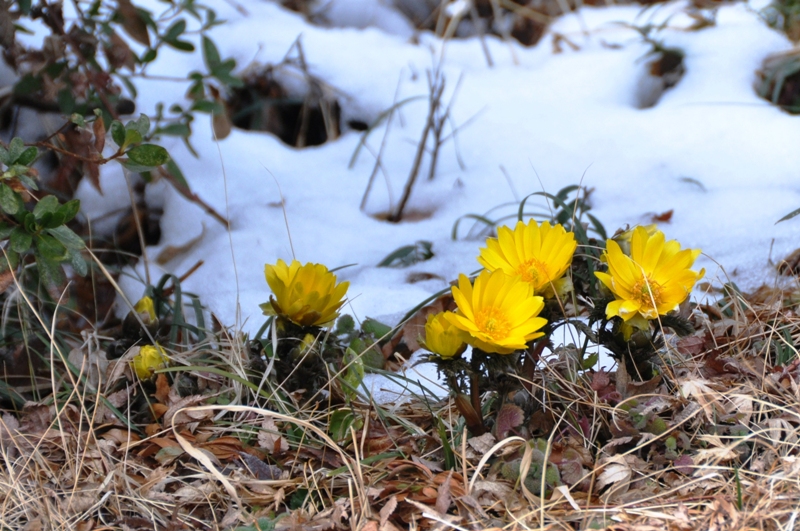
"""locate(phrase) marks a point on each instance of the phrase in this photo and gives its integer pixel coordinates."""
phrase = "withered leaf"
(132, 22)
(119, 53)
(664, 217)
(388, 509)
(691, 345)
(443, 498)
(262, 470)
(222, 125)
(617, 472)
(684, 464)
(509, 417)
(99, 129)
(162, 388)
(405, 341)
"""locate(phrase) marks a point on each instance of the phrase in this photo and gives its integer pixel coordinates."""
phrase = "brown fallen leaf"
(443, 498)
(173, 251)
(664, 217)
(388, 509)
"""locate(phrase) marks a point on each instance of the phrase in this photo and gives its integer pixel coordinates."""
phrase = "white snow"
(548, 119)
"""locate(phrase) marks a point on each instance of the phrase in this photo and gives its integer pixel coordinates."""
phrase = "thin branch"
(435, 100)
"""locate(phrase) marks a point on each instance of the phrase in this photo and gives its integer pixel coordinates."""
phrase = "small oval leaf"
(148, 155)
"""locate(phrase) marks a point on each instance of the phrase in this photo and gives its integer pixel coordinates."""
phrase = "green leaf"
(78, 119)
(66, 101)
(225, 77)
(50, 272)
(133, 167)
(197, 91)
(176, 173)
(174, 130)
(449, 456)
(211, 19)
(11, 263)
(24, 6)
(175, 31)
(345, 325)
(70, 209)
(340, 423)
(15, 150)
(210, 54)
(28, 156)
(20, 240)
(28, 221)
(47, 204)
(132, 136)
(27, 181)
(5, 230)
(408, 255)
(477, 217)
(184, 46)
(376, 328)
(78, 263)
(207, 106)
(126, 80)
(354, 374)
(142, 125)
(590, 361)
(148, 56)
(67, 237)
(46, 220)
(790, 215)
(48, 247)
(118, 133)
(10, 201)
(148, 155)
(27, 85)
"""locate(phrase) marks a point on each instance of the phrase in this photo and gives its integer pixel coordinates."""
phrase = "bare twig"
(436, 84)
(193, 197)
(378, 163)
(438, 128)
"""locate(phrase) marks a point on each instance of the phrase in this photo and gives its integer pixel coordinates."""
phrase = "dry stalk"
(436, 83)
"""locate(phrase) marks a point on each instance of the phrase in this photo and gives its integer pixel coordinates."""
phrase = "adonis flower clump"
(307, 295)
(537, 254)
(652, 281)
(499, 313)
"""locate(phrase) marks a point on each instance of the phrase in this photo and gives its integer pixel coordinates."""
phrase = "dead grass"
(710, 443)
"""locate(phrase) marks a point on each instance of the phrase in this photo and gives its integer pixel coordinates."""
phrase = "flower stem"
(532, 356)
(475, 389)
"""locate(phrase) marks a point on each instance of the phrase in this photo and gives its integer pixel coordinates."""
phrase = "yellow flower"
(442, 338)
(499, 313)
(623, 238)
(146, 310)
(307, 295)
(148, 360)
(652, 281)
(537, 254)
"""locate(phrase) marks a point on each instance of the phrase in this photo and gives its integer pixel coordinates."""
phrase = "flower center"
(647, 293)
(533, 271)
(493, 322)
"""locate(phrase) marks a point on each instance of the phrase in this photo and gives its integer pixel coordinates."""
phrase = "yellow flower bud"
(148, 360)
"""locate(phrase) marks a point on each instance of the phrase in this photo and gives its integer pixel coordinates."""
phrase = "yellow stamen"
(647, 292)
(493, 322)
(533, 271)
